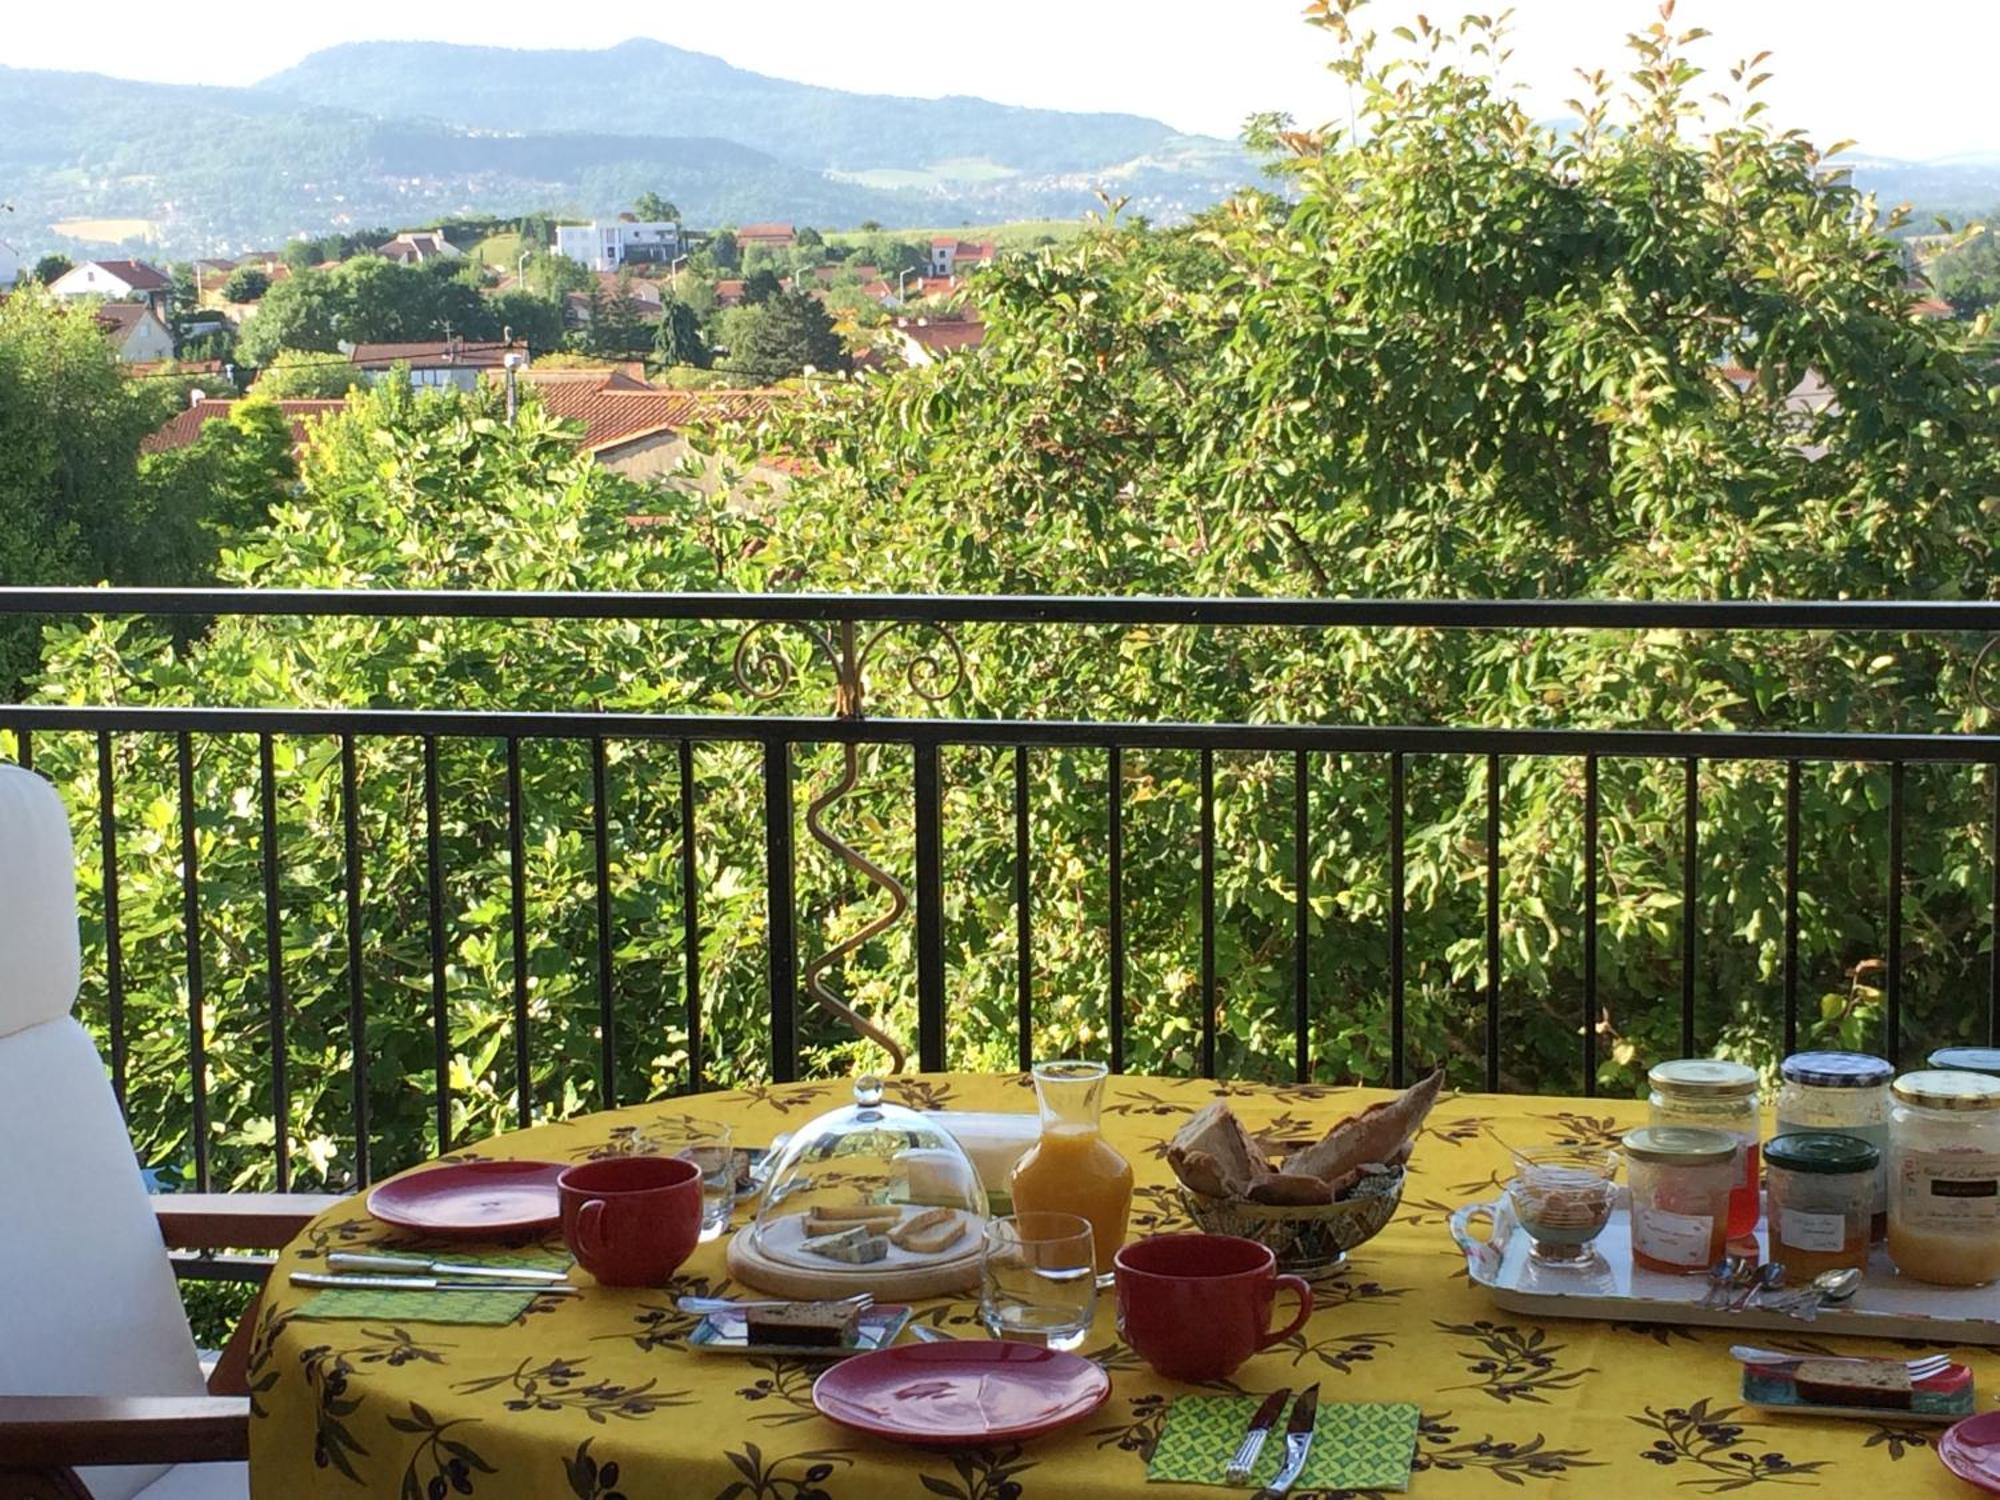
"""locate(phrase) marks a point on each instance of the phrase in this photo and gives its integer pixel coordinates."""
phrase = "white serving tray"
(1611, 1288)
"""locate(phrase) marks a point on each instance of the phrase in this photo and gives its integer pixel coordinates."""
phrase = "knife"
(1298, 1443)
(430, 1284)
(417, 1265)
(1245, 1457)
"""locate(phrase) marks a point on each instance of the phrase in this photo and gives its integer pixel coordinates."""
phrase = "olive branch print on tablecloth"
(559, 1385)
(1512, 1364)
(786, 1382)
(784, 1098)
(589, 1479)
(1141, 1433)
(1713, 1442)
(981, 1474)
(662, 1325)
(439, 1465)
(1340, 1352)
(797, 1476)
(920, 1093)
(328, 1373)
(1439, 1447)
(1601, 1131)
(1898, 1440)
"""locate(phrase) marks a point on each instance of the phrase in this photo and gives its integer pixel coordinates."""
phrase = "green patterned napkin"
(1356, 1445)
(436, 1307)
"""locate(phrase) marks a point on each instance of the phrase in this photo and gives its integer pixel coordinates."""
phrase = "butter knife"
(417, 1265)
(1298, 1443)
(1245, 1457)
(429, 1284)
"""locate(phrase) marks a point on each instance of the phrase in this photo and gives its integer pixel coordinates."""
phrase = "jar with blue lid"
(1845, 1093)
(1968, 1060)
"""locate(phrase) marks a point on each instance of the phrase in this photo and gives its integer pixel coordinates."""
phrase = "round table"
(598, 1396)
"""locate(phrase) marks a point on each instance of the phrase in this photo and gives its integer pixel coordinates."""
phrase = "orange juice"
(1077, 1172)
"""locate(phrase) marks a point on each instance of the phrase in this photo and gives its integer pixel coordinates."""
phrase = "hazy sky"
(1903, 80)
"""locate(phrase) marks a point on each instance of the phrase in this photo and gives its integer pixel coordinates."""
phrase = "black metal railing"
(778, 737)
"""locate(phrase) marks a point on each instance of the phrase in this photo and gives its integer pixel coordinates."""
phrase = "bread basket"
(1309, 1237)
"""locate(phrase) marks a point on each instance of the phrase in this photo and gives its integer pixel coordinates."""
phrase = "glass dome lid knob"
(868, 1090)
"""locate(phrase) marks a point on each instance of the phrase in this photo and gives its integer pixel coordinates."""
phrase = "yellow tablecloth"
(598, 1397)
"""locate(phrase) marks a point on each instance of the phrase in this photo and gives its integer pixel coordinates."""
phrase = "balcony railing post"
(191, 927)
(930, 913)
(781, 882)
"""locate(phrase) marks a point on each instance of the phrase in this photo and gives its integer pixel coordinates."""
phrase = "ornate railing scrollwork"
(935, 670)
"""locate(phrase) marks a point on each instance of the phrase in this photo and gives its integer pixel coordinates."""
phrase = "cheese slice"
(858, 1246)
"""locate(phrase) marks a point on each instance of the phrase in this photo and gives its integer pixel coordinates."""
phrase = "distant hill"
(405, 133)
(650, 88)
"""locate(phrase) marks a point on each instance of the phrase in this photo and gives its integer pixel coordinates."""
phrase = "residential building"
(638, 429)
(185, 425)
(605, 245)
(439, 362)
(137, 331)
(414, 247)
(119, 280)
(950, 255)
(924, 341)
(770, 236)
(729, 291)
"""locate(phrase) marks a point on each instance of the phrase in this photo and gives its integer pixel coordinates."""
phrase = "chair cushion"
(87, 1298)
(199, 1482)
(39, 962)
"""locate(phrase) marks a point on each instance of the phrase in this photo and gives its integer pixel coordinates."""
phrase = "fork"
(1920, 1369)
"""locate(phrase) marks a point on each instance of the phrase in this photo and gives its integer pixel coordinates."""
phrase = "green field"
(502, 251)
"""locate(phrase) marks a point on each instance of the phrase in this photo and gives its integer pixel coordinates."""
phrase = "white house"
(439, 362)
(119, 280)
(10, 264)
(136, 331)
(951, 255)
(605, 246)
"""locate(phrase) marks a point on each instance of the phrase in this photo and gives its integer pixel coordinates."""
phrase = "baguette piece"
(1201, 1173)
(930, 1218)
(1284, 1188)
(1376, 1134)
(934, 1238)
(855, 1212)
(1215, 1131)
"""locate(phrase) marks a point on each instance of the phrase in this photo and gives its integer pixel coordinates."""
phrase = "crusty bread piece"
(1215, 1130)
(1201, 1173)
(1833, 1382)
(854, 1213)
(933, 1238)
(930, 1218)
(1376, 1134)
(1283, 1187)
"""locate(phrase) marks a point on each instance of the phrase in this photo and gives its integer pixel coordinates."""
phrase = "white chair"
(102, 1396)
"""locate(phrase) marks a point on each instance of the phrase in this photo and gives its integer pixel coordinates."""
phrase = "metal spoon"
(1827, 1289)
(1766, 1278)
(1730, 1272)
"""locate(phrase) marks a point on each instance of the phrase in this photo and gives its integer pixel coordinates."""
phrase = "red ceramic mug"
(631, 1221)
(1195, 1306)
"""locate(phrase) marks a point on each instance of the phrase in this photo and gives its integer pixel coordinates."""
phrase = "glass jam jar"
(1712, 1094)
(1821, 1192)
(1682, 1178)
(1847, 1093)
(1968, 1060)
(1944, 1177)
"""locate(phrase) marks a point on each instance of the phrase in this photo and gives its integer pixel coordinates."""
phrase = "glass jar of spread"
(1944, 1177)
(1681, 1178)
(1821, 1193)
(1712, 1094)
(1968, 1060)
(1847, 1093)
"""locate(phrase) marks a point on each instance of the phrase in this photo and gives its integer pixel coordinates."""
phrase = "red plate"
(1971, 1450)
(965, 1392)
(473, 1199)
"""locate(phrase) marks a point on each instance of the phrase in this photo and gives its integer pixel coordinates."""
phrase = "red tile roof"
(185, 425)
(728, 293)
(437, 354)
(614, 414)
(136, 274)
(945, 338)
(765, 234)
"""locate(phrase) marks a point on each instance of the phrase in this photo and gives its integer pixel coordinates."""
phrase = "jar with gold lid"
(1716, 1094)
(1944, 1177)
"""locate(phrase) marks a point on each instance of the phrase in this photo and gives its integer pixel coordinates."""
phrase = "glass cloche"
(870, 1188)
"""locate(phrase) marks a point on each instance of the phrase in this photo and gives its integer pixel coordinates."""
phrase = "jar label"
(1875, 1135)
(1952, 1190)
(1673, 1239)
(1807, 1231)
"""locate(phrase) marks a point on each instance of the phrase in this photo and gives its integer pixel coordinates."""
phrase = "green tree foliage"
(721, 249)
(246, 284)
(306, 374)
(761, 286)
(554, 276)
(782, 335)
(368, 299)
(654, 209)
(304, 311)
(808, 237)
(301, 255)
(1967, 273)
(534, 320)
(231, 475)
(678, 341)
(51, 268)
(615, 329)
(72, 509)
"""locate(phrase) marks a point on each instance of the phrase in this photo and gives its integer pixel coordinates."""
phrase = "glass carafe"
(1072, 1169)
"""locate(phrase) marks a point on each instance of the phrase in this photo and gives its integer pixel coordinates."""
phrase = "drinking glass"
(1038, 1279)
(708, 1146)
